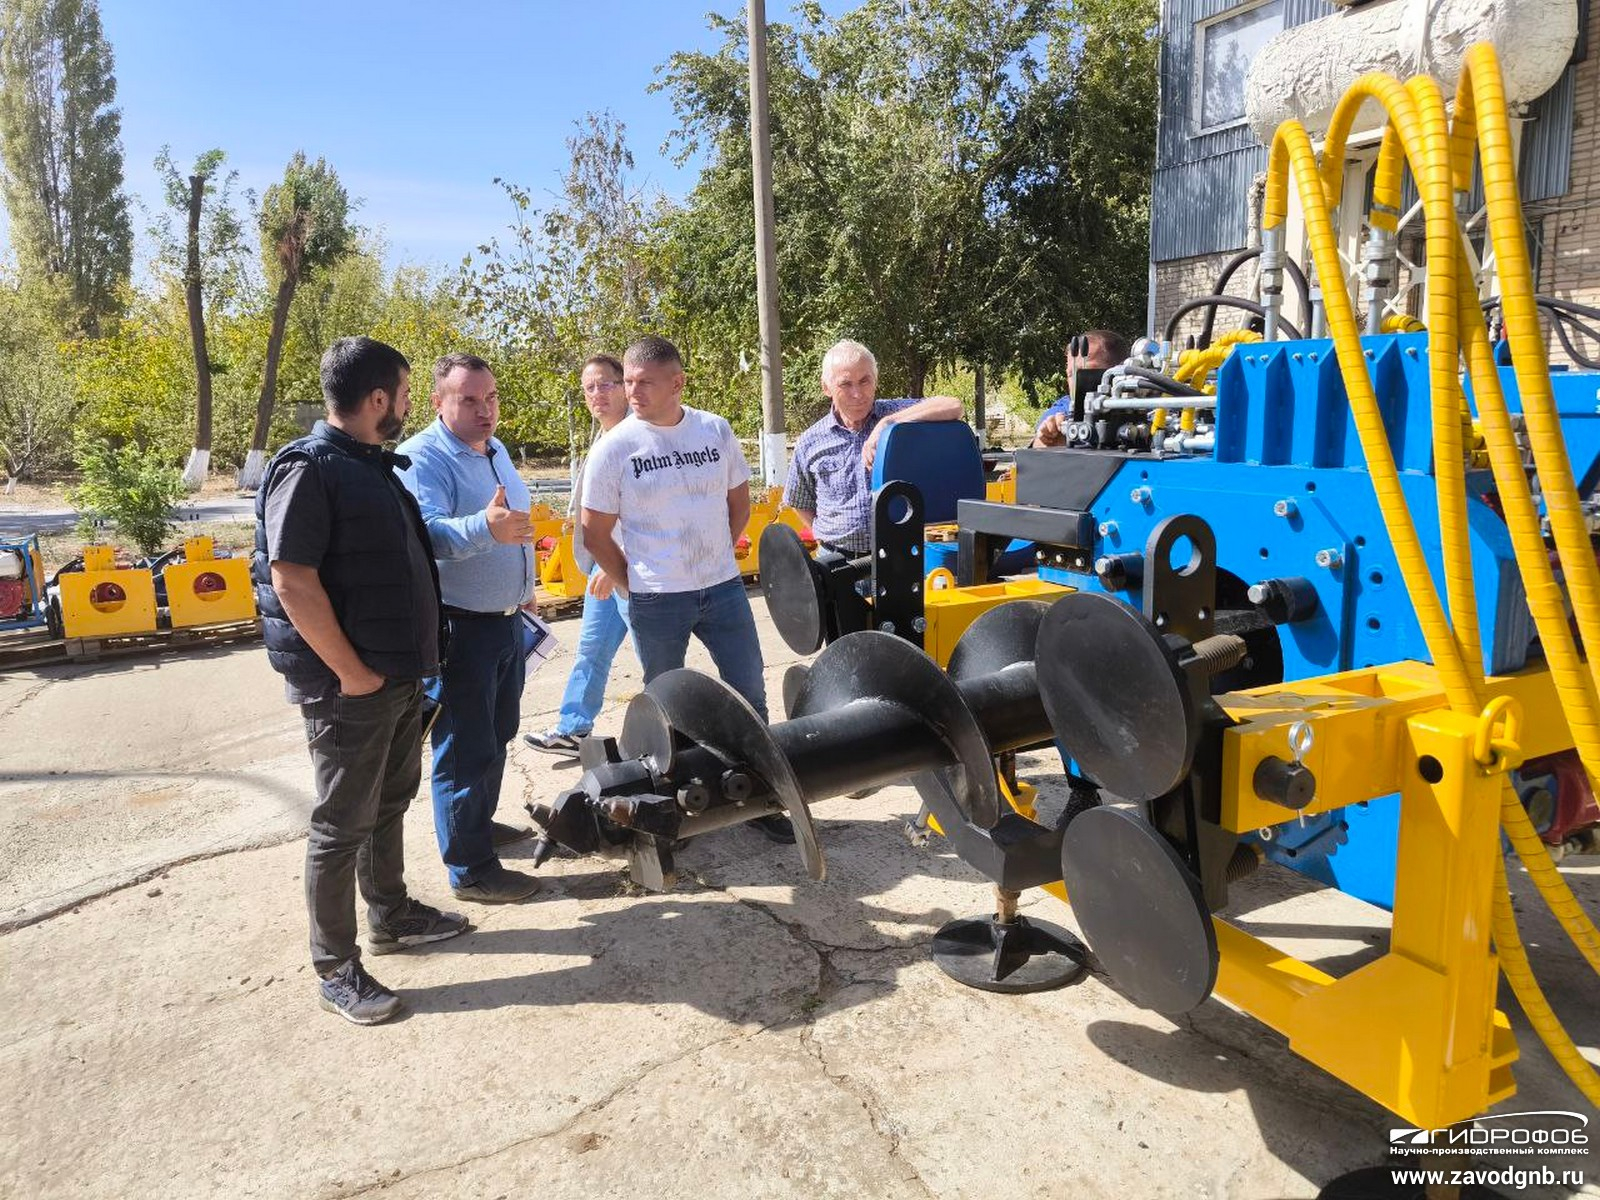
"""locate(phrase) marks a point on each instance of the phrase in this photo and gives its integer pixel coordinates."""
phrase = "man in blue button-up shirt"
(476, 508)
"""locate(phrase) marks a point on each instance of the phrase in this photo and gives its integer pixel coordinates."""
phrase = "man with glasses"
(828, 476)
(476, 508)
(605, 621)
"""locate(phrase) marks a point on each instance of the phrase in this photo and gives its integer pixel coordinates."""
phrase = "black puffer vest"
(366, 570)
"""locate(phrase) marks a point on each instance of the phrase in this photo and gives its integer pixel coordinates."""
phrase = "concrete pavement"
(751, 1034)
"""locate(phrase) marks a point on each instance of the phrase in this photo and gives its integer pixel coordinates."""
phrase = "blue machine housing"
(1288, 480)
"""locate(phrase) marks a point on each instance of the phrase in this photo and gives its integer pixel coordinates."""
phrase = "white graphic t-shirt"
(669, 488)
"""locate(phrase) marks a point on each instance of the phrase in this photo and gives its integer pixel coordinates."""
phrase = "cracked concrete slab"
(749, 1034)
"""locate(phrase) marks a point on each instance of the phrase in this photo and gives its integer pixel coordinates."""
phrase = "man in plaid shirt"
(828, 476)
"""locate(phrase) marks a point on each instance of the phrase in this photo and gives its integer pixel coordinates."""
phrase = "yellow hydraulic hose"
(1514, 964)
(1436, 154)
(1482, 90)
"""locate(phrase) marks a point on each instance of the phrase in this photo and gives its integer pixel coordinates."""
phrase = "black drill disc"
(888, 669)
(647, 733)
(1117, 698)
(1140, 910)
(709, 713)
(1022, 956)
(792, 584)
(1007, 635)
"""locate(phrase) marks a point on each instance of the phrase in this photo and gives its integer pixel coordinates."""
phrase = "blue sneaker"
(358, 997)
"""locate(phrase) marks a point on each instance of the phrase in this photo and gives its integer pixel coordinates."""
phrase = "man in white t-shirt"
(673, 482)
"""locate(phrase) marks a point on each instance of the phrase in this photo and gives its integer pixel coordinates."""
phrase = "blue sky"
(418, 106)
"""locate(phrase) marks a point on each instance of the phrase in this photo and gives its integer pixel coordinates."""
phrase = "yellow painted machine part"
(558, 567)
(1440, 160)
(206, 590)
(1002, 490)
(949, 610)
(91, 605)
(1416, 1029)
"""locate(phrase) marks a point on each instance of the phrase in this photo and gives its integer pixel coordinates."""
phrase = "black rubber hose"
(1165, 383)
(1576, 355)
(1564, 313)
(1249, 306)
(1221, 287)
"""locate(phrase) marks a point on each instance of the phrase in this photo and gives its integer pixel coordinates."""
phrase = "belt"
(451, 610)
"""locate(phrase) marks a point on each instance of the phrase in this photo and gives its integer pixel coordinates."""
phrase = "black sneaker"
(358, 997)
(498, 885)
(506, 835)
(775, 828)
(418, 925)
(552, 741)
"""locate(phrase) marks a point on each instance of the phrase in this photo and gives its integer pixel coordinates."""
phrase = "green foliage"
(60, 138)
(134, 488)
(954, 181)
(227, 268)
(37, 401)
(304, 220)
(586, 275)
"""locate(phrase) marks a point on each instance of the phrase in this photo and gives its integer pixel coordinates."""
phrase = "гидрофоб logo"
(1557, 1132)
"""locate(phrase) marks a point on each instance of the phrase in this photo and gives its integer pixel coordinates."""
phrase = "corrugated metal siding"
(1202, 183)
(1200, 207)
(1546, 168)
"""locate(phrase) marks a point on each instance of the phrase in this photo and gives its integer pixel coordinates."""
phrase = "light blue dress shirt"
(453, 483)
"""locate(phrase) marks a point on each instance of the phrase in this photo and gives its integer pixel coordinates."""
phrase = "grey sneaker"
(418, 925)
(358, 997)
(498, 885)
(553, 741)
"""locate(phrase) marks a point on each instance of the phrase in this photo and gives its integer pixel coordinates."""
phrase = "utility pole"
(774, 445)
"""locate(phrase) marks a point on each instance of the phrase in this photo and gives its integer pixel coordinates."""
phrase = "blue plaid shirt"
(826, 477)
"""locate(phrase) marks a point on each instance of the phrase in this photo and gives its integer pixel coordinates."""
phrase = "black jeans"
(366, 755)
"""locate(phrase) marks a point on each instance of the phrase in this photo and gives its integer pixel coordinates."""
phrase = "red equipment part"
(13, 598)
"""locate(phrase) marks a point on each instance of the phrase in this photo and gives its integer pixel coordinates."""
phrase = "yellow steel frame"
(188, 606)
(1416, 1029)
(558, 568)
(85, 612)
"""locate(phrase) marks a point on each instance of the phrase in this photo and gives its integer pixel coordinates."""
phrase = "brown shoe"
(506, 835)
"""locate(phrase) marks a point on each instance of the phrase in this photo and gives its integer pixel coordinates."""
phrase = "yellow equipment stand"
(206, 590)
(103, 601)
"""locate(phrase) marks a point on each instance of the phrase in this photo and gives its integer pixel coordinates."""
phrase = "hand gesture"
(1049, 432)
(507, 524)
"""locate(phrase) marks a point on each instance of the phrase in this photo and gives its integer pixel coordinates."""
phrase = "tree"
(305, 228)
(908, 138)
(584, 275)
(37, 398)
(212, 245)
(60, 143)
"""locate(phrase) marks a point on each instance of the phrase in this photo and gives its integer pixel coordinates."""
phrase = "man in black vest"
(349, 602)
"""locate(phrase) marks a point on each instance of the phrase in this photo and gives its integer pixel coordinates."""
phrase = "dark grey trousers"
(366, 755)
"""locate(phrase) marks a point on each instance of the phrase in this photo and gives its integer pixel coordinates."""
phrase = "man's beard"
(392, 424)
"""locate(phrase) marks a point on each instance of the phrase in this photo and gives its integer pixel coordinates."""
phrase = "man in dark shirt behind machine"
(349, 602)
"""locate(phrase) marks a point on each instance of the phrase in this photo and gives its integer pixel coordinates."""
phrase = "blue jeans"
(605, 624)
(719, 616)
(479, 693)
